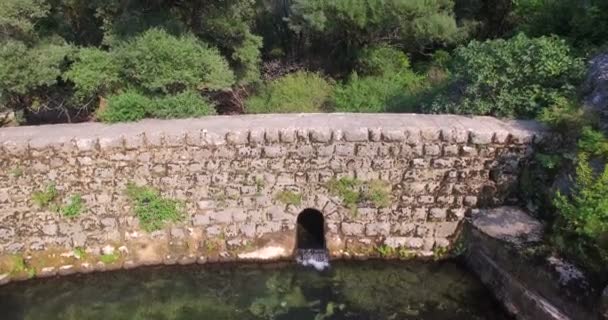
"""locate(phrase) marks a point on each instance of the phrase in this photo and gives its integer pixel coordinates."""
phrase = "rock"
(47, 272)
(107, 250)
(50, 229)
(66, 270)
(595, 87)
(509, 224)
(5, 278)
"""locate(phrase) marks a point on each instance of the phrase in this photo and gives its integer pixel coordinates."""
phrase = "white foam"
(319, 265)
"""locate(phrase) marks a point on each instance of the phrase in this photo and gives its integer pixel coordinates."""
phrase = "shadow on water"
(349, 290)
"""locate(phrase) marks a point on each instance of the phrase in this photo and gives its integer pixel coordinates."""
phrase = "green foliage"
(80, 253)
(19, 17)
(381, 60)
(74, 207)
(128, 106)
(548, 161)
(348, 190)
(564, 116)
(45, 197)
(26, 68)
(518, 77)
(16, 172)
(94, 72)
(160, 62)
(348, 25)
(585, 213)
(379, 193)
(593, 142)
(153, 210)
(182, 105)
(385, 251)
(296, 92)
(289, 197)
(583, 23)
(386, 93)
(109, 258)
(134, 106)
(387, 83)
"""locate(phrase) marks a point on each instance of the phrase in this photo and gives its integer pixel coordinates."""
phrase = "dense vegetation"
(124, 60)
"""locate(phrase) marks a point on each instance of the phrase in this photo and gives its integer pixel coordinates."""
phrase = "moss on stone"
(289, 197)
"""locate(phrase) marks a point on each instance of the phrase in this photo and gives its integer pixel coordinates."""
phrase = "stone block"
(393, 135)
(237, 137)
(345, 150)
(378, 229)
(356, 134)
(320, 135)
(272, 136)
(274, 151)
(352, 229)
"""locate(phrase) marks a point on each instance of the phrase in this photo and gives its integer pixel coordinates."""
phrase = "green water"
(353, 290)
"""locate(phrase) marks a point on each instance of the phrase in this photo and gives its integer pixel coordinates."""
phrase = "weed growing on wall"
(348, 190)
(109, 258)
(153, 210)
(80, 253)
(74, 207)
(16, 172)
(379, 193)
(19, 266)
(289, 197)
(44, 198)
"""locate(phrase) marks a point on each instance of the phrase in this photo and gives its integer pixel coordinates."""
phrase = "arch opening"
(310, 230)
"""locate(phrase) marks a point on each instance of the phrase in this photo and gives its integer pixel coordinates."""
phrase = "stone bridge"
(400, 181)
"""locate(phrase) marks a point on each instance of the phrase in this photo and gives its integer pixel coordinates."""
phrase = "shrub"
(24, 69)
(94, 72)
(393, 92)
(160, 62)
(128, 106)
(153, 210)
(584, 214)
(134, 106)
(381, 60)
(295, 92)
(518, 77)
(182, 105)
(387, 84)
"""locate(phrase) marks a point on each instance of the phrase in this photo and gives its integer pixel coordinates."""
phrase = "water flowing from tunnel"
(316, 258)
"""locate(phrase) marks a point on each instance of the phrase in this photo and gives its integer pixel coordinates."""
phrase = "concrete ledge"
(534, 287)
(255, 129)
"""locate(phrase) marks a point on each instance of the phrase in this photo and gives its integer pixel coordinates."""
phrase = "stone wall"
(229, 171)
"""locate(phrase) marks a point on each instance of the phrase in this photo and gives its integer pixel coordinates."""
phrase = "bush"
(387, 93)
(183, 105)
(95, 72)
(24, 69)
(584, 214)
(519, 77)
(381, 60)
(389, 84)
(133, 106)
(160, 62)
(295, 92)
(128, 106)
